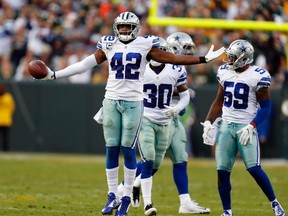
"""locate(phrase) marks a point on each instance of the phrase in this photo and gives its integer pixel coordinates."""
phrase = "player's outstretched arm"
(76, 68)
(167, 57)
(79, 67)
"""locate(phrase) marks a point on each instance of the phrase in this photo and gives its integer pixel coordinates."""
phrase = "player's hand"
(51, 74)
(207, 127)
(192, 93)
(247, 134)
(211, 55)
(170, 111)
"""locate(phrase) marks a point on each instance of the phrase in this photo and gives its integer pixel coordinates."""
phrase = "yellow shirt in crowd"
(7, 107)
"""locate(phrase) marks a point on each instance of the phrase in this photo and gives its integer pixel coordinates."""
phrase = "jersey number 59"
(236, 95)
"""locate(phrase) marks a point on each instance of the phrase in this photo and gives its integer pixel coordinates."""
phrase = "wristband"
(254, 124)
(202, 59)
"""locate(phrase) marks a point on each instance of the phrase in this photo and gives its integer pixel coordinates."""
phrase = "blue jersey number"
(157, 96)
(236, 95)
(129, 70)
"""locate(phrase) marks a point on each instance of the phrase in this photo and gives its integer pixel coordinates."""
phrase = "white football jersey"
(127, 64)
(158, 90)
(240, 104)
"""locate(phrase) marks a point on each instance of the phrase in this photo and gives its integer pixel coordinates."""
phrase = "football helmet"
(163, 45)
(130, 19)
(181, 43)
(239, 53)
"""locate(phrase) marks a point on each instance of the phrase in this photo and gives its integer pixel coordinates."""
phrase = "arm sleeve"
(77, 68)
(263, 112)
(184, 100)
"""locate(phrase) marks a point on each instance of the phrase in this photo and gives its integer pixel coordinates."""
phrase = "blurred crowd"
(61, 32)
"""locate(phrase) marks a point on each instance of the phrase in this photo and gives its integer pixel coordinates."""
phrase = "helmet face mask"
(163, 45)
(181, 44)
(239, 54)
(126, 26)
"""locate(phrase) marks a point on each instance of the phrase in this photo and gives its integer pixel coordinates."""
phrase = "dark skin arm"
(166, 57)
(181, 88)
(263, 94)
(216, 107)
(100, 56)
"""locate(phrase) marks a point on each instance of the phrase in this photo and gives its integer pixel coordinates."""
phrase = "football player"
(127, 54)
(159, 82)
(182, 44)
(242, 88)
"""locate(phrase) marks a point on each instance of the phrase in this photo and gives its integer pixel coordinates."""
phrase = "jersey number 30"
(236, 95)
(157, 96)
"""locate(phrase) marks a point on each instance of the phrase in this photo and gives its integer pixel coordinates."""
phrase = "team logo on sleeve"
(109, 46)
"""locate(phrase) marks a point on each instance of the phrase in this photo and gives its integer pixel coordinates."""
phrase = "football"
(37, 69)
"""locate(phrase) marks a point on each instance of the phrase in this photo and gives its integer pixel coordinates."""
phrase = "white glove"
(192, 93)
(170, 112)
(51, 74)
(211, 131)
(247, 134)
(207, 127)
(211, 55)
(99, 116)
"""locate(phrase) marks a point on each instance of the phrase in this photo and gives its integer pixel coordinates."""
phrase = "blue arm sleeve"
(263, 112)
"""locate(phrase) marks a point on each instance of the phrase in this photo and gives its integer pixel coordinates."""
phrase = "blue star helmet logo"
(242, 48)
(177, 38)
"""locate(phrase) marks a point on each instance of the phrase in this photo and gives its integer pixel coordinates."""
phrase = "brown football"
(37, 69)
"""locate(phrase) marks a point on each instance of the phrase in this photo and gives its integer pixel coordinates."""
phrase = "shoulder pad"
(154, 39)
(106, 42)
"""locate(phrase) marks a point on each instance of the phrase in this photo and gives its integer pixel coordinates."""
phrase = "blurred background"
(57, 116)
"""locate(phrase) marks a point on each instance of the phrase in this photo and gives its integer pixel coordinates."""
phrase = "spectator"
(7, 107)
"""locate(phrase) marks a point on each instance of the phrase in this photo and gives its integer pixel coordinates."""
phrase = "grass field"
(75, 185)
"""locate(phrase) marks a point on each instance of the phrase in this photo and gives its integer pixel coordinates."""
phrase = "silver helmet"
(126, 18)
(163, 45)
(181, 43)
(239, 53)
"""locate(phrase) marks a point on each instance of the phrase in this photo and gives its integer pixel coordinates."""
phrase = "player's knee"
(149, 154)
(130, 125)
(108, 122)
(157, 163)
(181, 158)
(111, 142)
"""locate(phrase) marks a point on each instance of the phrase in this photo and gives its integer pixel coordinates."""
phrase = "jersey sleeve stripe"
(263, 84)
(181, 79)
(266, 79)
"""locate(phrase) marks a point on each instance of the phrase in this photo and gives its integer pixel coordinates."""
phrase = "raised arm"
(167, 57)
